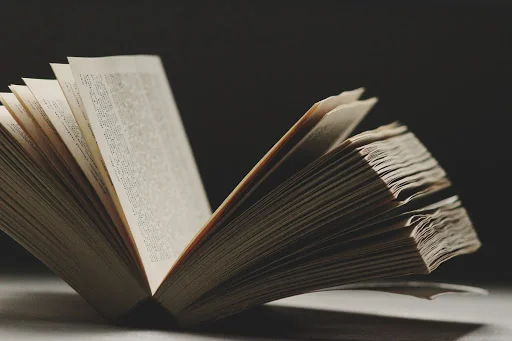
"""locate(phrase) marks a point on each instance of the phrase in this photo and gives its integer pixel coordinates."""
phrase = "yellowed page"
(334, 127)
(274, 156)
(8, 121)
(142, 140)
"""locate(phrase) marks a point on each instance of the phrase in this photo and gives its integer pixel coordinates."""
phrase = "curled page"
(334, 127)
(427, 290)
(281, 150)
(129, 105)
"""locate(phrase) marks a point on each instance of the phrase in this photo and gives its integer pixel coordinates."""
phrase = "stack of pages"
(98, 181)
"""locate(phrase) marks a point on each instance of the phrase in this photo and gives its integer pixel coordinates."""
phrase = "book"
(99, 182)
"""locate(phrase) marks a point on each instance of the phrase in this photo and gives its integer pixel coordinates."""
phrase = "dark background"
(243, 73)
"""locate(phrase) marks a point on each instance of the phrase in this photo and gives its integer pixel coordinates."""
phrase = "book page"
(8, 121)
(69, 88)
(426, 290)
(142, 140)
(54, 104)
(13, 105)
(331, 129)
(276, 154)
(32, 128)
(49, 95)
(54, 147)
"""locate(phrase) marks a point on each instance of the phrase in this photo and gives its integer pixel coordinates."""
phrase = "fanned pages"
(98, 181)
(143, 143)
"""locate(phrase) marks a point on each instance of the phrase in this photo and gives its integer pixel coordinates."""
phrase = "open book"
(99, 182)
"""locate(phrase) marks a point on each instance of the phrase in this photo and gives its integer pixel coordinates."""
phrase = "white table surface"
(46, 308)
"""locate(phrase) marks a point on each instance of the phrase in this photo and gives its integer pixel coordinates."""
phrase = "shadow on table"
(273, 321)
(45, 310)
(42, 311)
